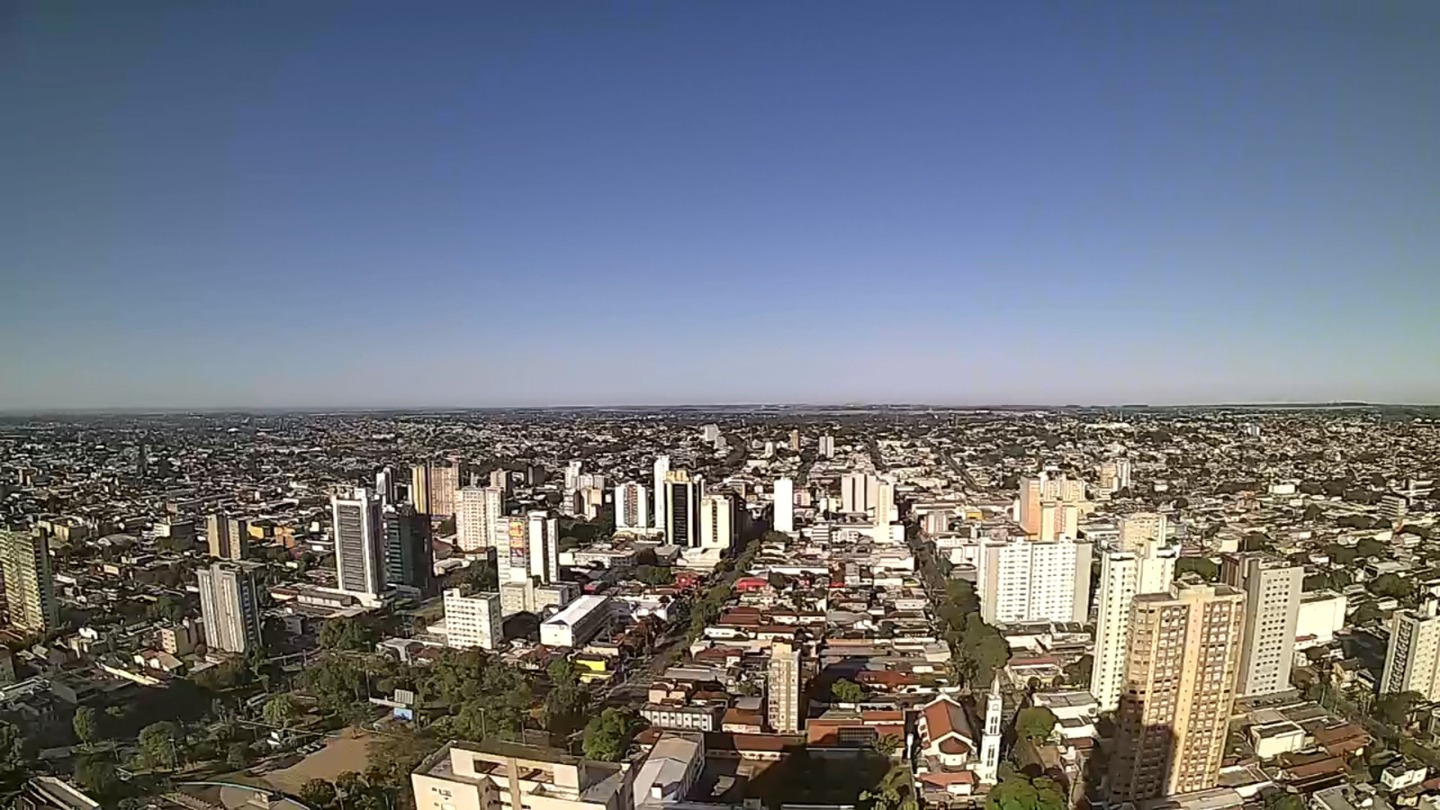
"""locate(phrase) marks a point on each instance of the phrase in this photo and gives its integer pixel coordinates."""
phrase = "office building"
(409, 559)
(1126, 570)
(577, 622)
(477, 511)
(784, 518)
(28, 582)
(858, 492)
(1182, 658)
(229, 607)
(385, 485)
(717, 522)
(631, 507)
(357, 531)
(826, 446)
(682, 508)
(1272, 608)
(660, 512)
(497, 775)
(782, 688)
(433, 487)
(472, 621)
(1412, 658)
(530, 548)
(229, 538)
(1020, 580)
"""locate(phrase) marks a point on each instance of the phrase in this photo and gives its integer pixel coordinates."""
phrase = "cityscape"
(713, 608)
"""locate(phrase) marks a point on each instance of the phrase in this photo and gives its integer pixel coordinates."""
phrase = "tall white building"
(477, 511)
(884, 508)
(1022, 580)
(229, 608)
(1272, 608)
(1126, 571)
(826, 446)
(472, 621)
(717, 522)
(530, 548)
(631, 506)
(1050, 507)
(662, 471)
(987, 770)
(858, 492)
(784, 505)
(359, 543)
(1412, 660)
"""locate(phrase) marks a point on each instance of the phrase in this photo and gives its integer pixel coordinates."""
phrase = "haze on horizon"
(370, 205)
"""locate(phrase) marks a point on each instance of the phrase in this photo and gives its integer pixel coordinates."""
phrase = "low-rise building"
(577, 622)
(495, 775)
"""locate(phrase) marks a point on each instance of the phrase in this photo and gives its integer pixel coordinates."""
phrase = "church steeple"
(988, 768)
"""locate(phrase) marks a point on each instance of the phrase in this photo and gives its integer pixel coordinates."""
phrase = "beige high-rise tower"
(1182, 659)
(228, 537)
(782, 688)
(1272, 609)
(29, 586)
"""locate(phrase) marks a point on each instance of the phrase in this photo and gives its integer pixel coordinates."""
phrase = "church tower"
(988, 768)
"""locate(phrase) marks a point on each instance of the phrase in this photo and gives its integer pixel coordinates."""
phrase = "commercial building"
(433, 487)
(472, 621)
(1021, 580)
(228, 537)
(784, 513)
(858, 492)
(229, 607)
(1414, 651)
(527, 597)
(782, 688)
(357, 528)
(631, 507)
(577, 622)
(28, 582)
(1272, 608)
(496, 775)
(717, 522)
(1126, 570)
(409, 560)
(661, 512)
(682, 508)
(1181, 662)
(477, 512)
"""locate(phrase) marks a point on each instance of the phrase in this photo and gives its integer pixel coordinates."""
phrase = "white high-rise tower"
(662, 469)
(359, 543)
(631, 506)
(784, 505)
(1138, 564)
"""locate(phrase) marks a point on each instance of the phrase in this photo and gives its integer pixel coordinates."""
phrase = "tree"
(564, 707)
(1034, 723)
(1340, 555)
(1366, 613)
(159, 745)
(1370, 547)
(86, 724)
(1017, 791)
(896, 790)
(1283, 800)
(97, 777)
(1391, 585)
(1198, 565)
(888, 744)
(1078, 672)
(280, 710)
(847, 691)
(237, 756)
(15, 753)
(318, 793)
(347, 634)
(1394, 708)
(608, 736)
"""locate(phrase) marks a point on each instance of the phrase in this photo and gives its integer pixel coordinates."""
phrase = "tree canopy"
(1017, 791)
(607, 737)
(847, 691)
(1034, 723)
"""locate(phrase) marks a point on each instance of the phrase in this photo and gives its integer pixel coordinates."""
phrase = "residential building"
(784, 511)
(858, 492)
(409, 560)
(631, 507)
(527, 597)
(717, 522)
(1142, 529)
(662, 474)
(433, 487)
(1050, 506)
(1181, 663)
(530, 547)
(782, 688)
(357, 529)
(28, 582)
(1125, 572)
(682, 507)
(1272, 608)
(1020, 580)
(477, 511)
(826, 446)
(496, 775)
(228, 537)
(472, 621)
(577, 622)
(1413, 653)
(884, 508)
(229, 607)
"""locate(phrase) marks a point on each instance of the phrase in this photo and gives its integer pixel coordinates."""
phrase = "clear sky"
(381, 204)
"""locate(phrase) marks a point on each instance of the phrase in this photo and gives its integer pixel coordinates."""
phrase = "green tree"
(160, 745)
(86, 724)
(1370, 547)
(607, 737)
(1198, 565)
(895, 791)
(281, 710)
(564, 707)
(1283, 800)
(1017, 791)
(1366, 613)
(1394, 708)
(318, 793)
(1034, 723)
(1077, 673)
(847, 691)
(1340, 555)
(97, 777)
(237, 756)
(15, 753)
(1391, 585)
(347, 634)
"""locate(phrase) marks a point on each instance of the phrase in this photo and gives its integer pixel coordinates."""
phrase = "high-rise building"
(531, 548)
(826, 446)
(1412, 659)
(682, 508)
(1114, 475)
(858, 492)
(385, 485)
(1126, 570)
(660, 512)
(1143, 528)
(710, 432)
(1182, 658)
(229, 537)
(589, 501)
(794, 441)
(229, 607)
(477, 509)
(1272, 608)
(784, 520)
(1021, 580)
(717, 521)
(433, 487)
(409, 560)
(472, 621)
(782, 688)
(631, 506)
(357, 531)
(884, 509)
(28, 582)
(501, 478)
(1050, 506)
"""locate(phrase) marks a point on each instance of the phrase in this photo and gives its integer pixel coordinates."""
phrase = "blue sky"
(377, 204)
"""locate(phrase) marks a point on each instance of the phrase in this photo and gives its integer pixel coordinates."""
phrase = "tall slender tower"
(229, 607)
(1272, 609)
(631, 506)
(782, 688)
(229, 538)
(409, 560)
(476, 511)
(784, 505)
(357, 528)
(988, 770)
(662, 472)
(29, 585)
(1126, 569)
(682, 507)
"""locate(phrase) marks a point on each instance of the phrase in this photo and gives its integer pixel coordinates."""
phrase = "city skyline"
(664, 205)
